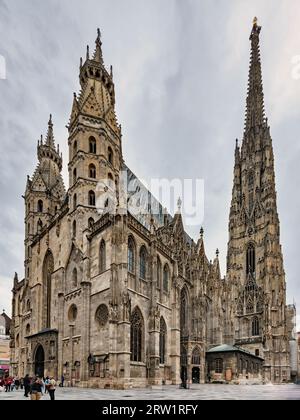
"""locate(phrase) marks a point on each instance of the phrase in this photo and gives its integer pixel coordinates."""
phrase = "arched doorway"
(196, 375)
(39, 362)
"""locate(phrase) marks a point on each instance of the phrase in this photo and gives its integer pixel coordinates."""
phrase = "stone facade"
(118, 299)
(232, 364)
(5, 322)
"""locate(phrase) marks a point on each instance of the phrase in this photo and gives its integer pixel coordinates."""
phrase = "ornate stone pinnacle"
(179, 204)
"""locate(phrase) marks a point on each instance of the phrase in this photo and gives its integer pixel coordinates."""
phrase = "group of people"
(37, 387)
(34, 387)
(9, 384)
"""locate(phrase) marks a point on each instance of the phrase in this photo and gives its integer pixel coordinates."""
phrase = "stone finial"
(201, 233)
(179, 204)
(98, 35)
(217, 253)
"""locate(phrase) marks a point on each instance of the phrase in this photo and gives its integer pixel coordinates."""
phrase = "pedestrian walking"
(52, 388)
(36, 390)
(27, 383)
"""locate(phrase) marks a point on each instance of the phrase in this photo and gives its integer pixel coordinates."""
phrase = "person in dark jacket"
(26, 385)
(36, 390)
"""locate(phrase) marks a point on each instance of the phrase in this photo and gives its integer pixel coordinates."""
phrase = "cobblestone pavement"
(196, 392)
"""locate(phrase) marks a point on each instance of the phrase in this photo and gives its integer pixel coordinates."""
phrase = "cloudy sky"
(180, 69)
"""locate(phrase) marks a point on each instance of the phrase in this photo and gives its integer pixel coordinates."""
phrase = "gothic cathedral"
(117, 298)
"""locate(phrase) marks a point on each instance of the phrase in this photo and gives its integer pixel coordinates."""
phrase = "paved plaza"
(196, 392)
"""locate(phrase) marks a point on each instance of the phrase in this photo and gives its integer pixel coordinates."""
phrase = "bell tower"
(95, 149)
(255, 260)
(45, 192)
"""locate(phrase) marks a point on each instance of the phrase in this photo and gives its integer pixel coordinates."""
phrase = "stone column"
(60, 334)
(85, 332)
(175, 331)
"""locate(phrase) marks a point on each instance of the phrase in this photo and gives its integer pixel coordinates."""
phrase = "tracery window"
(102, 315)
(102, 257)
(92, 171)
(92, 145)
(131, 255)
(158, 268)
(74, 278)
(196, 357)
(249, 306)
(137, 336)
(255, 326)
(250, 260)
(166, 278)
(143, 263)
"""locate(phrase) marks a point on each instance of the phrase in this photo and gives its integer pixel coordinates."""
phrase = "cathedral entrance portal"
(196, 375)
(39, 362)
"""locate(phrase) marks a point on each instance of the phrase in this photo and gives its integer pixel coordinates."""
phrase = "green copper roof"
(227, 348)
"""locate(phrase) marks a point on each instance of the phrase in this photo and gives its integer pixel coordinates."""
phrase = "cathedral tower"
(44, 193)
(255, 261)
(95, 152)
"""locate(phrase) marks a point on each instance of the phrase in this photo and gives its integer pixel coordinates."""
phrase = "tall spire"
(255, 113)
(48, 149)
(98, 51)
(50, 135)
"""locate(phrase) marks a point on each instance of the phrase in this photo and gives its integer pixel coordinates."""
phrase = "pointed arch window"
(255, 327)
(102, 257)
(91, 223)
(143, 263)
(110, 156)
(162, 341)
(159, 269)
(92, 199)
(40, 206)
(166, 278)
(92, 171)
(196, 357)
(74, 229)
(74, 278)
(250, 260)
(249, 306)
(137, 336)
(48, 268)
(39, 226)
(93, 145)
(131, 255)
